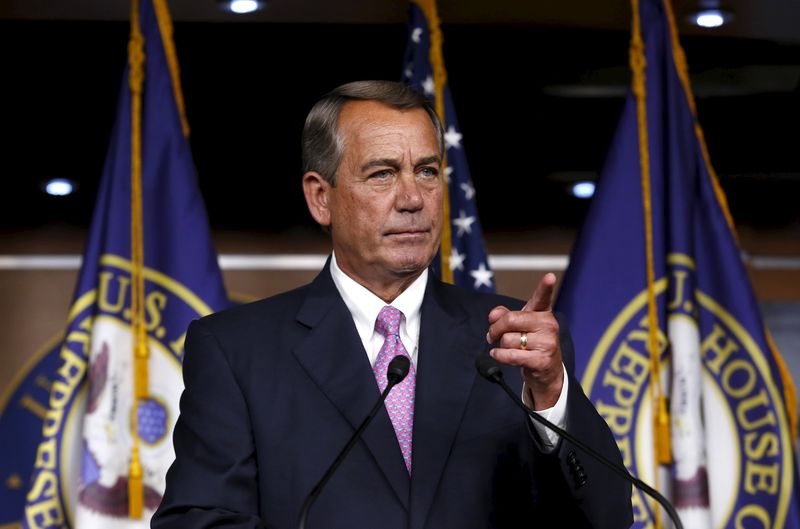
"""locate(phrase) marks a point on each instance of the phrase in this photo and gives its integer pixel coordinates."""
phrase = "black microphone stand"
(490, 370)
(396, 372)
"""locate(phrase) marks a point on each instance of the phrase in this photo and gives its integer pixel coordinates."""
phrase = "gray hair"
(323, 146)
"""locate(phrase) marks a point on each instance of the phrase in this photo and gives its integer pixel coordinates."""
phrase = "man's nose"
(409, 194)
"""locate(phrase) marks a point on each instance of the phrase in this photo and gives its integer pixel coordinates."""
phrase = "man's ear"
(317, 191)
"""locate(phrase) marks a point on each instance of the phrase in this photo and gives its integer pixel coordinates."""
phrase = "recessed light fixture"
(59, 187)
(711, 18)
(241, 7)
(582, 189)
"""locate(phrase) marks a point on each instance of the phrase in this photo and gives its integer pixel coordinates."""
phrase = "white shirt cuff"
(556, 415)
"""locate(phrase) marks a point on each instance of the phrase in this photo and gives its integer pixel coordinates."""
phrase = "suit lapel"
(445, 375)
(334, 358)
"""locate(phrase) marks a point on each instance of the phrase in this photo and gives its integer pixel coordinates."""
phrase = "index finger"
(542, 298)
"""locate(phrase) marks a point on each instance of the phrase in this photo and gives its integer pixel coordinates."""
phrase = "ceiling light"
(244, 6)
(59, 187)
(710, 18)
(582, 189)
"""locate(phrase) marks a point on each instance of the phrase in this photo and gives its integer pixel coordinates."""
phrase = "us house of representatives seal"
(731, 440)
(84, 454)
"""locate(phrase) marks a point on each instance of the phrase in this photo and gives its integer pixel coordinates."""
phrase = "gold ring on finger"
(523, 340)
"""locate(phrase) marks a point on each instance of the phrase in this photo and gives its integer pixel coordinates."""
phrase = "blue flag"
(730, 403)
(22, 409)
(468, 260)
(95, 423)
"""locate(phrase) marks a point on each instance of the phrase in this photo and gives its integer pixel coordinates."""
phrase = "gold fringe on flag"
(165, 28)
(789, 390)
(682, 69)
(428, 7)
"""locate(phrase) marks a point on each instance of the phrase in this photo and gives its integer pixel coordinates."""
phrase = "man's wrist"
(545, 397)
(557, 414)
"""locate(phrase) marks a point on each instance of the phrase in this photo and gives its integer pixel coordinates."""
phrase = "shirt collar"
(364, 306)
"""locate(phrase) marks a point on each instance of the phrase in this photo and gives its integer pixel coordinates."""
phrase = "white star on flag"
(457, 260)
(482, 276)
(469, 191)
(463, 223)
(447, 172)
(416, 34)
(452, 138)
(409, 71)
(428, 86)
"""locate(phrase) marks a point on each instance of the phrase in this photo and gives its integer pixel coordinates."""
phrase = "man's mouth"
(409, 231)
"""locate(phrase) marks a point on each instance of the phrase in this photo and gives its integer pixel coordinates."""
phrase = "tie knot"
(388, 322)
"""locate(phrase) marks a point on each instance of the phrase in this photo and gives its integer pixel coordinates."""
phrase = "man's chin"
(410, 263)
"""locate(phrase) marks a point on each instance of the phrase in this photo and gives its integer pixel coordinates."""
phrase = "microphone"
(395, 373)
(490, 370)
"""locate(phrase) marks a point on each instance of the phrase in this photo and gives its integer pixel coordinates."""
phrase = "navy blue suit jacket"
(274, 390)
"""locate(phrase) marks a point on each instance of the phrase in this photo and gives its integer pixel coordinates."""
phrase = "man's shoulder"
(260, 313)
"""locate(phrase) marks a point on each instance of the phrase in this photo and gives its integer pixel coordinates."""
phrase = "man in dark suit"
(275, 388)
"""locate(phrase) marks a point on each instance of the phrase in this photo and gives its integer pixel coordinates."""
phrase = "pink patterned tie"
(400, 402)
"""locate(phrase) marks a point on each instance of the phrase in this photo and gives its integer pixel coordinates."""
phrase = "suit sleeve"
(575, 489)
(213, 481)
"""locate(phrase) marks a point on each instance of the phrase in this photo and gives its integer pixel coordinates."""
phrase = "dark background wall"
(248, 86)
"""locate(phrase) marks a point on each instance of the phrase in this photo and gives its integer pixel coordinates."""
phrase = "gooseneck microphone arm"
(490, 370)
(395, 373)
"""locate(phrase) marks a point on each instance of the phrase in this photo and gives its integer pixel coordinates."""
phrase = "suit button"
(579, 477)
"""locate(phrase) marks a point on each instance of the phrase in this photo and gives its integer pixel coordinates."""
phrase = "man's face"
(385, 212)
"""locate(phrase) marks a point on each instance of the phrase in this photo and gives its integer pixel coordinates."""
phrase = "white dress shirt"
(364, 307)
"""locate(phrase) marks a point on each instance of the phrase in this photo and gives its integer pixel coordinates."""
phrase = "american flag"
(468, 259)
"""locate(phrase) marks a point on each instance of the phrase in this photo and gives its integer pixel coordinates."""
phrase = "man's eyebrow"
(395, 164)
(381, 162)
(429, 160)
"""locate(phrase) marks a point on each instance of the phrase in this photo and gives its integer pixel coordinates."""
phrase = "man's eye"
(381, 175)
(429, 172)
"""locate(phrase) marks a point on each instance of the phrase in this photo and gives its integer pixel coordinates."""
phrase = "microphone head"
(398, 369)
(488, 368)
